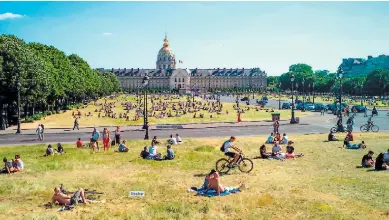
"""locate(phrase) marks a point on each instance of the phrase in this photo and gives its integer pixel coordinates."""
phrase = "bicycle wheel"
(222, 166)
(334, 129)
(246, 165)
(364, 128)
(375, 128)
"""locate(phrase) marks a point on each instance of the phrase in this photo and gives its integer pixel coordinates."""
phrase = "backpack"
(222, 147)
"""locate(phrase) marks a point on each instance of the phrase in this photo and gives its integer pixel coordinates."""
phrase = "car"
(245, 99)
(358, 108)
(319, 106)
(309, 106)
(265, 98)
(286, 105)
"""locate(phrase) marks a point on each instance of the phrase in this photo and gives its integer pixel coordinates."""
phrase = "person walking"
(76, 124)
(39, 131)
(276, 126)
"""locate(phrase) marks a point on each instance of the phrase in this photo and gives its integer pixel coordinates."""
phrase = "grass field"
(65, 120)
(324, 184)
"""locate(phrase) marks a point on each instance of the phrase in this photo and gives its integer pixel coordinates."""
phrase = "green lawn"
(324, 184)
(65, 120)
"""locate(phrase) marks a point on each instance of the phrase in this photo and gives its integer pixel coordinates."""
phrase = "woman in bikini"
(106, 139)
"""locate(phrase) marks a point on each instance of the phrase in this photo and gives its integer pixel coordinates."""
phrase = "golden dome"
(165, 53)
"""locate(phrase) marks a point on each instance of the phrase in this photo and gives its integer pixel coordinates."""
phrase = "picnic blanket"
(211, 193)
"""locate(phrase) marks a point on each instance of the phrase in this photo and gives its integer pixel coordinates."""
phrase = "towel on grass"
(212, 193)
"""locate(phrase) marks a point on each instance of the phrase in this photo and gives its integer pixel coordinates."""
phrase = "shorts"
(290, 155)
(230, 154)
(76, 197)
(93, 140)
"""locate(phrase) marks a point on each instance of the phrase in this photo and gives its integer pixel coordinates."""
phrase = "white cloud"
(10, 15)
(107, 34)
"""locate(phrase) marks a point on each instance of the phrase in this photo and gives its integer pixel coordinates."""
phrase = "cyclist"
(369, 122)
(226, 149)
(350, 123)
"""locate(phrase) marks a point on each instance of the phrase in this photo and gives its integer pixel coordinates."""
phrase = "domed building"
(166, 76)
(166, 58)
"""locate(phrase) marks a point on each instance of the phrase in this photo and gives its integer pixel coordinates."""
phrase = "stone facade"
(166, 76)
(361, 66)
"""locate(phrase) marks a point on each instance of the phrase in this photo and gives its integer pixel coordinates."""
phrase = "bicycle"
(335, 129)
(245, 165)
(367, 128)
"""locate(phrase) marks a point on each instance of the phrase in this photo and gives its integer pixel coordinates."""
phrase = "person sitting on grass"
(172, 140)
(170, 153)
(290, 151)
(270, 139)
(355, 146)
(277, 152)
(367, 160)
(264, 154)
(62, 199)
(8, 166)
(386, 157)
(331, 136)
(380, 163)
(18, 164)
(350, 136)
(49, 151)
(214, 183)
(60, 149)
(123, 147)
(79, 143)
(154, 140)
(277, 138)
(284, 139)
(178, 139)
(154, 151)
(144, 153)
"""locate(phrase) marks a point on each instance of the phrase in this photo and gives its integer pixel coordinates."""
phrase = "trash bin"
(275, 116)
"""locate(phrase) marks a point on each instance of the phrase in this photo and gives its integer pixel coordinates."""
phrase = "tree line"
(375, 83)
(48, 79)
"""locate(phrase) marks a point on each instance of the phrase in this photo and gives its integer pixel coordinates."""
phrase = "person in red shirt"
(350, 136)
(79, 143)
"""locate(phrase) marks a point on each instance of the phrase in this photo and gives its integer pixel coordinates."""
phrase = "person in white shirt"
(227, 151)
(178, 139)
(39, 131)
(172, 140)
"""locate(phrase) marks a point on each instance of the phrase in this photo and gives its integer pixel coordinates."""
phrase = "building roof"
(194, 72)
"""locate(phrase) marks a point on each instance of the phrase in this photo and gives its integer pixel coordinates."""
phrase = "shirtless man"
(63, 199)
(214, 183)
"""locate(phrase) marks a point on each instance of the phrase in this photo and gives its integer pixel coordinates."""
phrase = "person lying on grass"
(380, 163)
(367, 160)
(354, 146)
(170, 153)
(214, 183)
(62, 199)
(290, 151)
(331, 137)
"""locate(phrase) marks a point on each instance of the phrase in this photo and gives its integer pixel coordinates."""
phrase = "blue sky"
(269, 35)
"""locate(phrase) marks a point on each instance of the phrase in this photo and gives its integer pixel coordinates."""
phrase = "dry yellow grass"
(324, 184)
(65, 120)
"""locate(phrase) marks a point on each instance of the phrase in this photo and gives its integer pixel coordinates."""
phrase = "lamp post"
(18, 88)
(361, 94)
(145, 82)
(313, 92)
(292, 120)
(303, 95)
(279, 96)
(340, 76)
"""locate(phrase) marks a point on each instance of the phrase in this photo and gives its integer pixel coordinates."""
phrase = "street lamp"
(18, 88)
(145, 83)
(292, 120)
(340, 76)
(279, 96)
(303, 95)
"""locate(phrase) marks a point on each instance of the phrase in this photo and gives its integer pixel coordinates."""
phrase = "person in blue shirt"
(284, 139)
(170, 153)
(95, 138)
(123, 147)
(270, 139)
